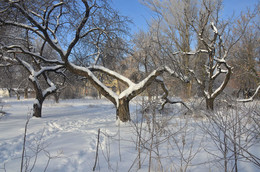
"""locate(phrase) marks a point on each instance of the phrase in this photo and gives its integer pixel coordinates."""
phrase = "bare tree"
(174, 20)
(37, 73)
(197, 24)
(34, 76)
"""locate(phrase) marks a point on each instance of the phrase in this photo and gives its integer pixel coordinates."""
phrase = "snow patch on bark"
(37, 103)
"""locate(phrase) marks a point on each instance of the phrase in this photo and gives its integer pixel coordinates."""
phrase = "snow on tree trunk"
(122, 111)
(37, 108)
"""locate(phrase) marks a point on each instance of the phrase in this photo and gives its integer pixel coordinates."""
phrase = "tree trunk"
(37, 108)
(186, 90)
(26, 93)
(189, 89)
(122, 111)
(9, 92)
(18, 96)
(56, 96)
(210, 103)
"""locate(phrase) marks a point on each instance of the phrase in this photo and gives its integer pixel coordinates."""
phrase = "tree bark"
(122, 111)
(37, 108)
(26, 93)
(210, 103)
(56, 96)
(9, 92)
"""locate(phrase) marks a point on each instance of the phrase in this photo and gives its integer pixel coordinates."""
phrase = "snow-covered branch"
(217, 68)
(177, 75)
(41, 93)
(8, 60)
(52, 88)
(135, 89)
(195, 77)
(190, 53)
(5, 65)
(114, 74)
(252, 97)
(104, 90)
(224, 83)
(23, 26)
(218, 72)
(47, 68)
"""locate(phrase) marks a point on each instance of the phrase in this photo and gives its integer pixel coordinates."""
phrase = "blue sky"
(141, 14)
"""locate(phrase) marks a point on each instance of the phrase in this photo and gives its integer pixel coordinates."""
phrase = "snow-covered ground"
(66, 139)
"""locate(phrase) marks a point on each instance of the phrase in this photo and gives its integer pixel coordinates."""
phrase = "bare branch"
(165, 96)
(78, 30)
(13, 49)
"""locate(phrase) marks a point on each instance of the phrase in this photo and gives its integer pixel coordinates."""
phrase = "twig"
(96, 151)
(24, 141)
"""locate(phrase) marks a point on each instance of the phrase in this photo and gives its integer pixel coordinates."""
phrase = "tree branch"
(165, 96)
(251, 98)
(78, 30)
(11, 49)
(114, 74)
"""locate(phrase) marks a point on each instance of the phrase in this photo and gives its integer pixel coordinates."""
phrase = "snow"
(36, 102)
(214, 27)
(222, 60)
(32, 78)
(49, 89)
(172, 72)
(7, 58)
(68, 132)
(28, 66)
